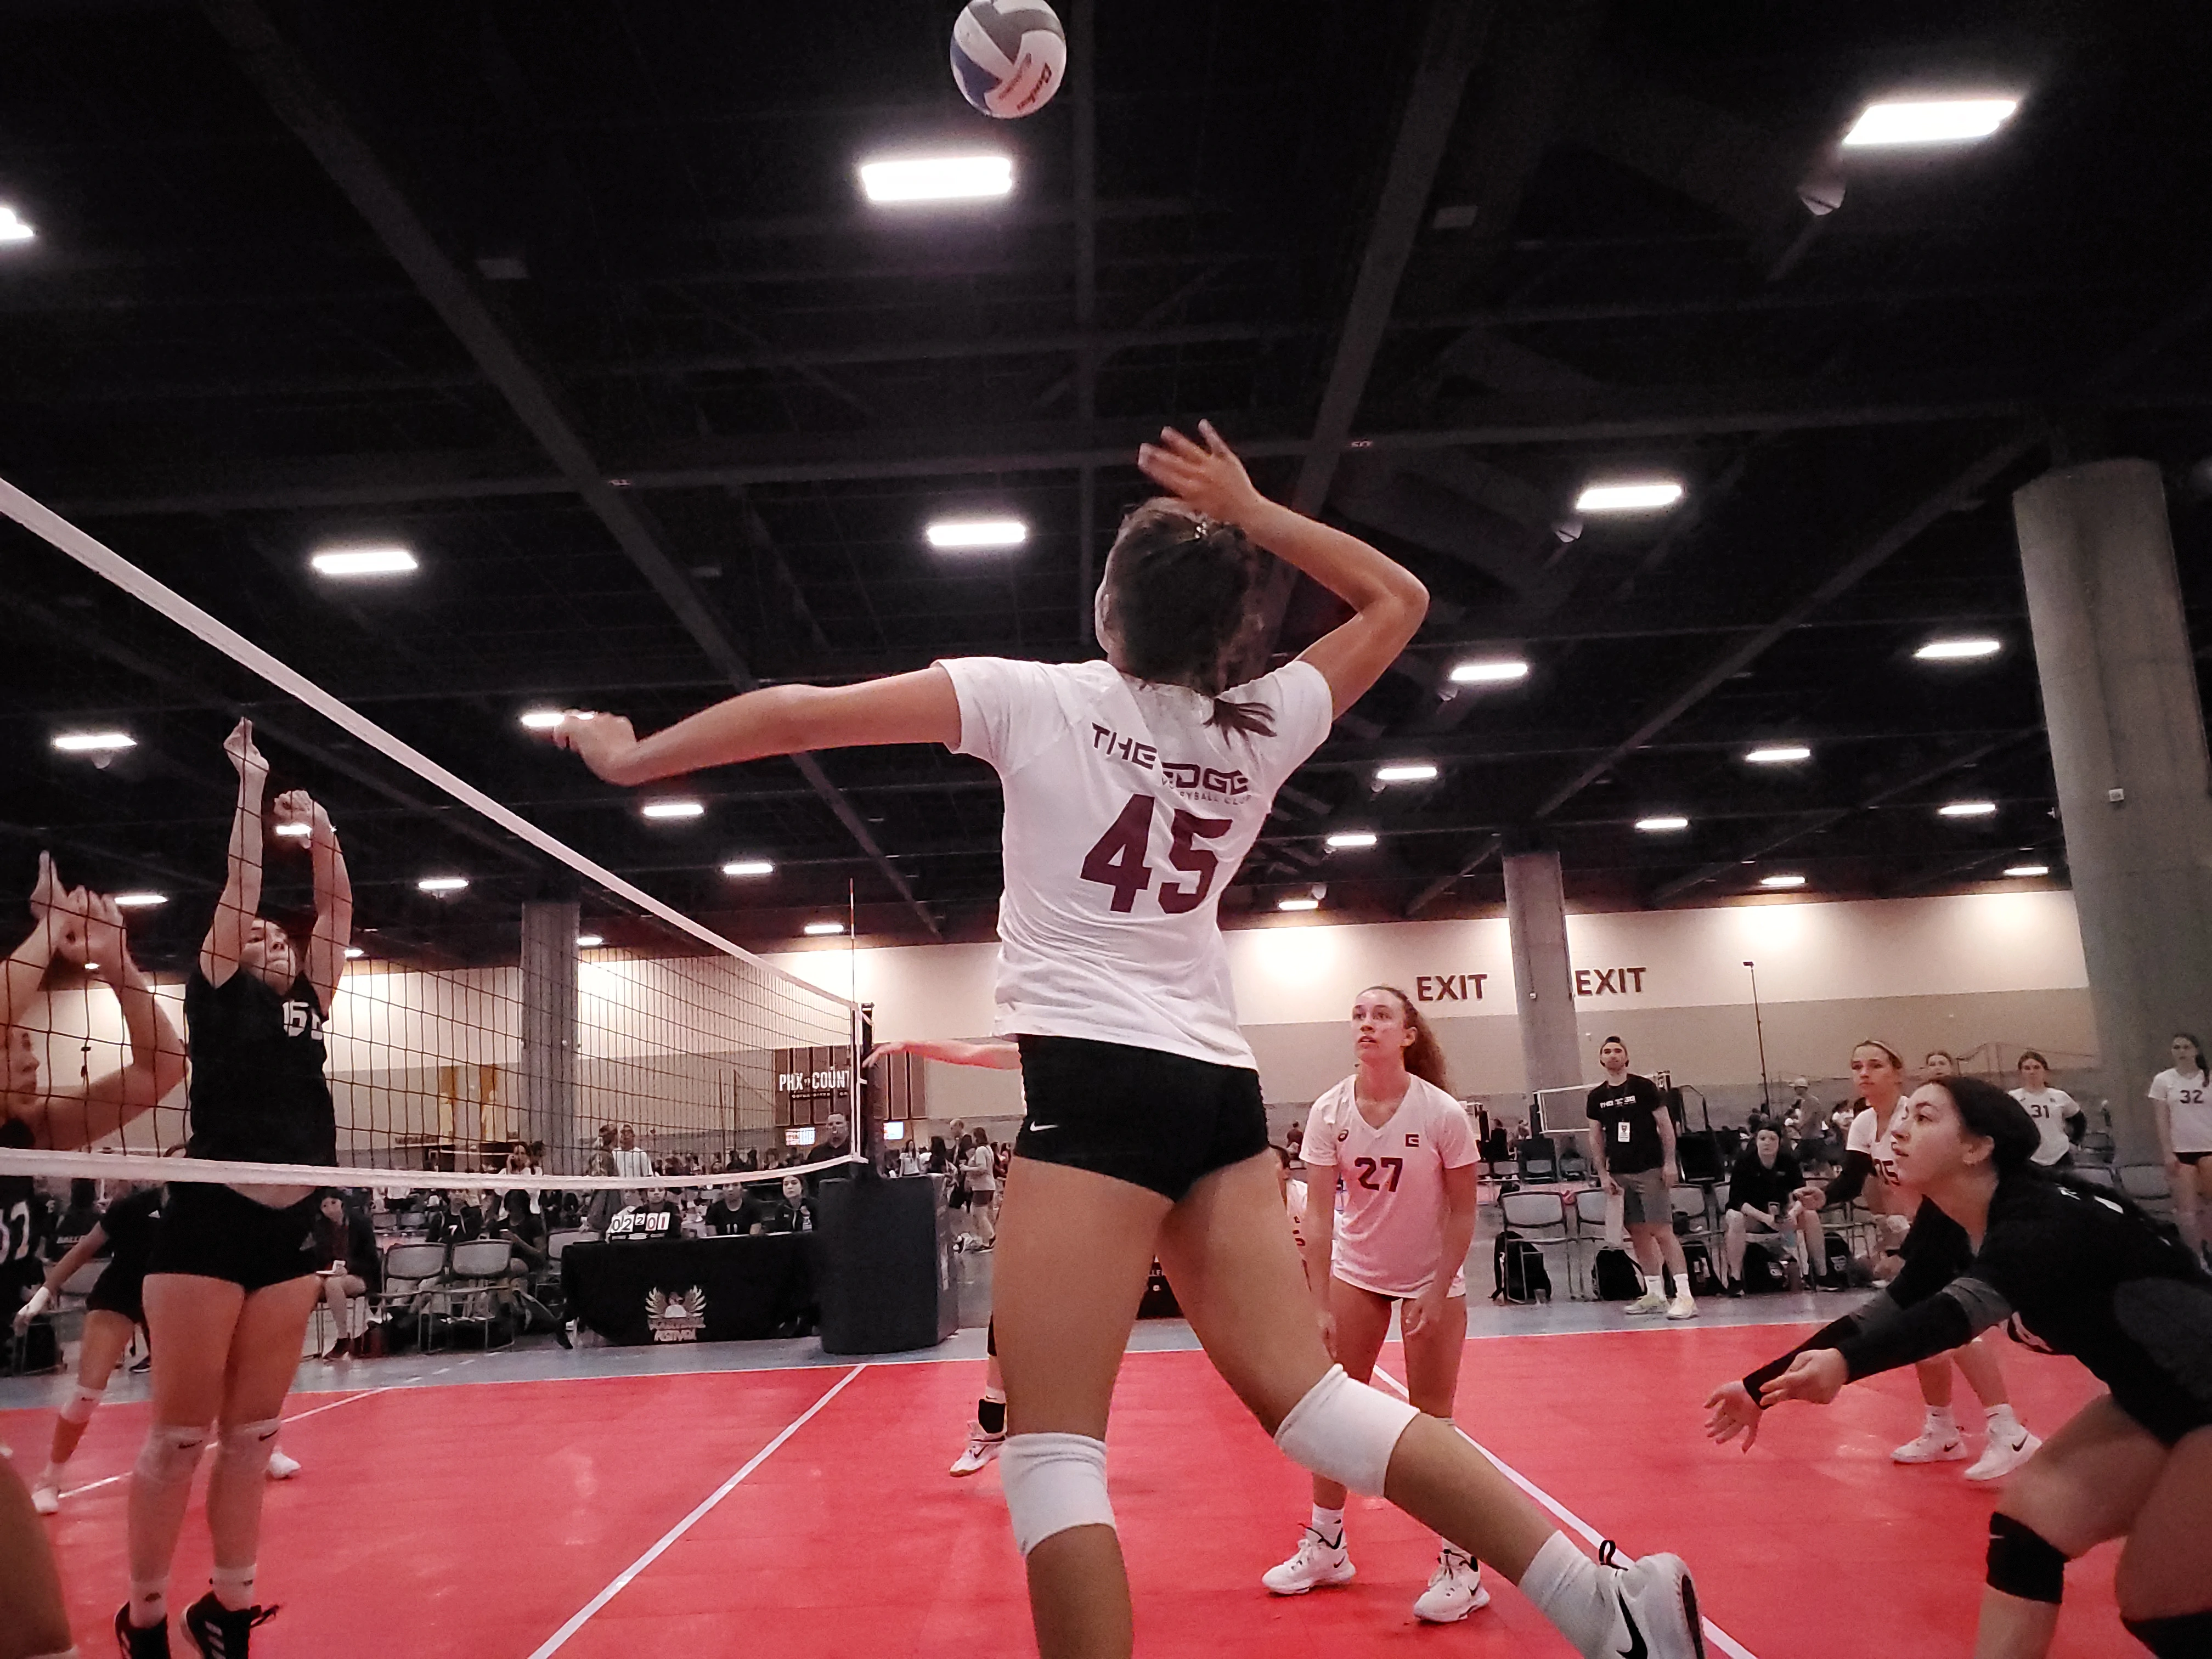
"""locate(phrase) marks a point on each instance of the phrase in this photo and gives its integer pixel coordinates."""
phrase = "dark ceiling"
(580, 302)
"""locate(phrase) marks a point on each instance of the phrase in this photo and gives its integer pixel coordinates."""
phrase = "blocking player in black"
(232, 1280)
(2078, 1271)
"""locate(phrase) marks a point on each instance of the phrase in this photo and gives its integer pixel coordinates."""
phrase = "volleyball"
(1009, 56)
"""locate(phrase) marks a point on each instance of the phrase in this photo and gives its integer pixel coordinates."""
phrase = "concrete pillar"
(548, 1092)
(1543, 978)
(2127, 744)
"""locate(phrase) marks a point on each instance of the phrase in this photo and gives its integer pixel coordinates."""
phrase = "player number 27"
(1364, 1170)
(1118, 858)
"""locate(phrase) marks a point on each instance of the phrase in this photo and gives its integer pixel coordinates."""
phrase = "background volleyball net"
(502, 990)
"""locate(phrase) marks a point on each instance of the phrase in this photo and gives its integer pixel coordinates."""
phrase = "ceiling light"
(1411, 772)
(1779, 882)
(674, 809)
(139, 901)
(1779, 754)
(94, 743)
(542, 719)
(957, 535)
(295, 831)
(823, 929)
(1346, 839)
(1646, 495)
(589, 941)
(937, 178)
(1929, 121)
(364, 562)
(443, 884)
(1958, 650)
(12, 228)
(1665, 821)
(1967, 808)
(1500, 671)
(2020, 871)
(749, 867)
(1297, 904)
(355, 953)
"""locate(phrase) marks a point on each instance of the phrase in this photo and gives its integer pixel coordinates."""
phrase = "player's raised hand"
(1732, 1412)
(1207, 477)
(603, 742)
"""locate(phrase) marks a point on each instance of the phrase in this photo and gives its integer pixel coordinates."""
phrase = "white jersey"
(1389, 1229)
(2189, 1108)
(1869, 1136)
(1127, 814)
(2050, 1108)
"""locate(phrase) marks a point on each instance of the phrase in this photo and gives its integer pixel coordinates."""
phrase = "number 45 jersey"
(1127, 814)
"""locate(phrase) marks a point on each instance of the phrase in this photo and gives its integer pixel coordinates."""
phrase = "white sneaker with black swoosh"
(1655, 1610)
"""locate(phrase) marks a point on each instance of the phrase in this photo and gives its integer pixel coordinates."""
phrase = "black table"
(691, 1290)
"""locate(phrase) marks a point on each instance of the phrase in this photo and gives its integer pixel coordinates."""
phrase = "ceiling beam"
(298, 99)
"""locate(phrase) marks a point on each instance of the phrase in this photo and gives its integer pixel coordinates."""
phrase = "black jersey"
(1751, 1185)
(22, 1221)
(129, 1223)
(258, 1091)
(1627, 1116)
(2072, 1269)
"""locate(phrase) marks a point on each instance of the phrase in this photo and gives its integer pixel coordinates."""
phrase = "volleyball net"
(502, 999)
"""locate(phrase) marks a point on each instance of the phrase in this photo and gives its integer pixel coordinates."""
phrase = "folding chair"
(2146, 1184)
(1541, 1218)
(411, 1273)
(479, 1270)
(1593, 1207)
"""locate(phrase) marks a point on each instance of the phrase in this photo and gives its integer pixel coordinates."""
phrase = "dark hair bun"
(1989, 1112)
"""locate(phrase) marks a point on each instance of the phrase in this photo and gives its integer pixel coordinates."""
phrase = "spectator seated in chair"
(352, 1269)
(1763, 1208)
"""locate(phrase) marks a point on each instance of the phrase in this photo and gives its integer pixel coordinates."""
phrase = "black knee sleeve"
(2188, 1637)
(2023, 1563)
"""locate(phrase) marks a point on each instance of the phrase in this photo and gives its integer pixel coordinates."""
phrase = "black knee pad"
(2025, 1564)
(2188, 1637)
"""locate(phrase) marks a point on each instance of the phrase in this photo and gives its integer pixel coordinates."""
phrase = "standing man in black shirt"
(1632, 1146)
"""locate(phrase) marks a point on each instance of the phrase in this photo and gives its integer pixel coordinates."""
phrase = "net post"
(864, 1015)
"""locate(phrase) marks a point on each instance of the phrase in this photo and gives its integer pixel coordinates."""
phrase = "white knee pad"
(170, 1455)
(82, 1403)
(247, 1446)
(1052, 1482)
(1345, 1431)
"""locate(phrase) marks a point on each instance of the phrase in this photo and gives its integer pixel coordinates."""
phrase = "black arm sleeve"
(1952, 1317)
(1831, 1336)
(1851, 1183)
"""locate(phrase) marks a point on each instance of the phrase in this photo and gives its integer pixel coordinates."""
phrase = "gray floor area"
(539, 1359)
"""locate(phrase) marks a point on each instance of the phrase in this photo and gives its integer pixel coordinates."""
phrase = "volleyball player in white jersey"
(989, 1432)
(2182, 1101)
(1400, 1149)
(1133, 789)
(1880, 1075)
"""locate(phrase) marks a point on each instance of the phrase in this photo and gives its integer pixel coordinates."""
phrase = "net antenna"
(449, 1053)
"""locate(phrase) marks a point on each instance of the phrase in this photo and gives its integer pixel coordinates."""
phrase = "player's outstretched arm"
(1387, 600)
(778, 719)
(993, 1054)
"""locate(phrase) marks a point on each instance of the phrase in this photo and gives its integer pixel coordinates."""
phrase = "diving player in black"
(2078, 1271)
(231, 1279)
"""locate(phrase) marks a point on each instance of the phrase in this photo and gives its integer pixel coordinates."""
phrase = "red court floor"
(487, 1520)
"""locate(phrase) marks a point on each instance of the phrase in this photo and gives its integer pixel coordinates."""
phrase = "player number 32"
(1118, 858)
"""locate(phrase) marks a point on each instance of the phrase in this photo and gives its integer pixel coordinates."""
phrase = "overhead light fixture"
(2020, 872)
(443, 884)
(1958, 650)
(1779, 754)
(12, 228)
(1662, 823)
(749, 867)
(295, 831)
(589, 941)
(1638, 495)
(363, 561)
(964, 535)
(1967, 808)
(1409, 772)
(1780, 882)
(1929, 121)
(138, 901)
(674, 809)
(1350, 840)
(542, 719)
(1499, 670)
(823, 929)
(94, 743)
(909, 179)
(1297, 904)
(355, 953)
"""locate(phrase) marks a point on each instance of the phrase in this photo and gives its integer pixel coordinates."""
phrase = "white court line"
(1719, 1638)
(94, 1485)
(560, 1638)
